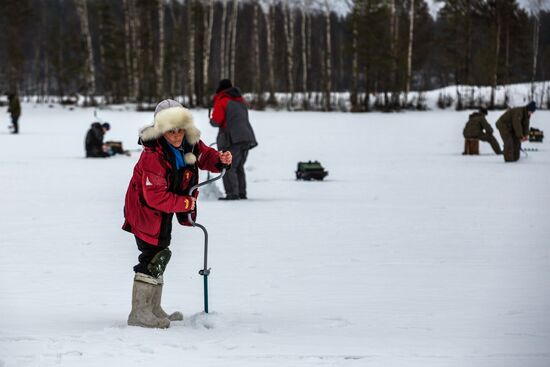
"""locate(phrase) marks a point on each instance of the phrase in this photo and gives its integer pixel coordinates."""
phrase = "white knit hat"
(170, 114)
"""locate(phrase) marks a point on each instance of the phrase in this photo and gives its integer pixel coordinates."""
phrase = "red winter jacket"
(151, 193)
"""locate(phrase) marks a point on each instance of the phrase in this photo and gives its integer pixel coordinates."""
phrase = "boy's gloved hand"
(189, 203)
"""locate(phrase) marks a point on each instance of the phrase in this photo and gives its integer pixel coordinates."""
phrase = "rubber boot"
(157, 308)
(143, 297)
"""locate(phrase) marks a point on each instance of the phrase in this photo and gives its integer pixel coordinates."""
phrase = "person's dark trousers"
(97, 154)
(489, 138)
(15, 123)
(234, 180)
(148, 251)
(512, 146)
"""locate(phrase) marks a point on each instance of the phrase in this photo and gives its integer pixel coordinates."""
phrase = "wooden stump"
(471, 147)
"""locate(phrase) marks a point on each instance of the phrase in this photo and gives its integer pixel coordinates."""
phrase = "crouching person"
(95, 148)
(477, 127)
(159, 188)
(513, 126)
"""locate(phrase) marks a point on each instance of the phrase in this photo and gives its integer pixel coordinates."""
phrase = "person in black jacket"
(14, 109)
(94, 141)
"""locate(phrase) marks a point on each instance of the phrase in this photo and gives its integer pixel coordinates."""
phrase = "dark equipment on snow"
(310, 171)
(205, 271)
(115, 147)
(536, 135)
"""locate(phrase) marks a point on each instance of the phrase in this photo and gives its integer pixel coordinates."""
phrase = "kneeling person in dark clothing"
(477, 127)
(159, 188)
(94, 141)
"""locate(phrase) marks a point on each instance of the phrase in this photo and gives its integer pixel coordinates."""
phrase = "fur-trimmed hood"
(170, 114)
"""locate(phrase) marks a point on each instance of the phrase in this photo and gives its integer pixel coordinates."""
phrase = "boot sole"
(137, 323)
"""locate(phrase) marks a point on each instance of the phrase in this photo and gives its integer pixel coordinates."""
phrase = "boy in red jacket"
(167, 168)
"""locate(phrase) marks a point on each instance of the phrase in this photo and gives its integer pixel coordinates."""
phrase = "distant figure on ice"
(14, 109)
(94, 141)
(167, 168)
(477, 127)
(230, 114)
(513, 126)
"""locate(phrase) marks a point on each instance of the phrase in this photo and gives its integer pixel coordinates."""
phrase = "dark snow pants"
(512, 146)
(489, 138)
(234, 180)
(148, 251)
(15, 123)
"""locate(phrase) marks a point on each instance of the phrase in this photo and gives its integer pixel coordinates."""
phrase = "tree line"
(377, 50)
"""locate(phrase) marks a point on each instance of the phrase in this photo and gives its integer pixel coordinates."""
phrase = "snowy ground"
(409, 254)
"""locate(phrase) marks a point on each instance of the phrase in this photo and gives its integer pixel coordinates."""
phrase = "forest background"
(370, 53)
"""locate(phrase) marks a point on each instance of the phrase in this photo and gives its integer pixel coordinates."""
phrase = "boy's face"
(175, 137)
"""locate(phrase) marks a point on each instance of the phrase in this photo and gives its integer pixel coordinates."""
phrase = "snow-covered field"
(409, 254)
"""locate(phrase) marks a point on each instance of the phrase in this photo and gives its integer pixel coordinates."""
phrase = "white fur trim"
(149, 133)
(172, 118)
(190, 158)
(192, 135)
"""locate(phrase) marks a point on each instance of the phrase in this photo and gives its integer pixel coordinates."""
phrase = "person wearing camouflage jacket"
(513, 126)
(477, 127)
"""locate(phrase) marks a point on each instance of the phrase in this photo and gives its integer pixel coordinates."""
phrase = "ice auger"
(205, 271)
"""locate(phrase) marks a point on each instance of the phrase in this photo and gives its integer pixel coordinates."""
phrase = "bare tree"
(468, 53)
(101, 67)
(355, 14)
(494, 81)
(269, 25)
(289, 36)
(208, 19)
(328, 58)
(394, 38)
(234, 16)
(191, 52)
(89, 69)
(138, 52)
(128, 46)
(134, 25)
(410, 50)
(149, 51)
(160, 62)
(175, 70)
(259, 102)
(223, 41)
(535, 8)
(305, 39)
